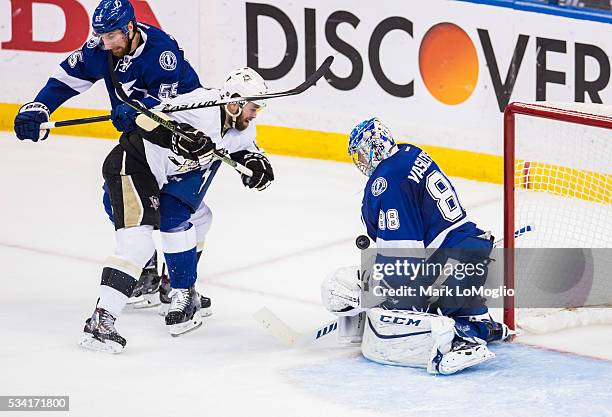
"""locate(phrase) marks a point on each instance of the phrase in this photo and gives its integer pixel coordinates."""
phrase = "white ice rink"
(265, 249)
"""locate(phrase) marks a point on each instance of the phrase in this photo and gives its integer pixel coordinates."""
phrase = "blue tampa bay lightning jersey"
(408, 202)
(155, 71)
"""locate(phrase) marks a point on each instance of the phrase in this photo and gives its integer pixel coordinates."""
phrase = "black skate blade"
(89, 342)
(177, 330)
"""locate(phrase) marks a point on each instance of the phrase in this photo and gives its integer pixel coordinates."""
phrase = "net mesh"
(563, 191)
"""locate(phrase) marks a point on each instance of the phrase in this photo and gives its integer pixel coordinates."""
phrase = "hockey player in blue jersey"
(148, 62)
(410, 205)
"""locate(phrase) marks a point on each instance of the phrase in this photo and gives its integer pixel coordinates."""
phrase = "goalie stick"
(286, 335)
(521, 231)
(309, 82)
(168, 124)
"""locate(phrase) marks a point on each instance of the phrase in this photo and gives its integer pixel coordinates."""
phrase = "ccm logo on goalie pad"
(399, 320)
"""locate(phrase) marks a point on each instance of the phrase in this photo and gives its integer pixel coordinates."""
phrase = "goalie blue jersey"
(408, 202)
(155, 71)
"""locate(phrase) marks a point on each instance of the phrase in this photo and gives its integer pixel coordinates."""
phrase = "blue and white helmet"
(370, 142)
(112, 15)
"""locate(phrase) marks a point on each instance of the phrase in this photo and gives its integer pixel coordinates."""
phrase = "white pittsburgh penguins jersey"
(164, 163)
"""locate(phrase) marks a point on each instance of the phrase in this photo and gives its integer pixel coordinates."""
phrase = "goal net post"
(558, 182)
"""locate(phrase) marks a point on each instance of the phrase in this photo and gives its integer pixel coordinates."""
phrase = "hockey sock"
(181, 257)
(115, 288)
(122, 270)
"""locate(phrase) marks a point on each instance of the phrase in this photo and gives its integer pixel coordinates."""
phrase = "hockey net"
(558, 194)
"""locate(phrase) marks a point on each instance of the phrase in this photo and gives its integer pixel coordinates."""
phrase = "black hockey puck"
(362, 242)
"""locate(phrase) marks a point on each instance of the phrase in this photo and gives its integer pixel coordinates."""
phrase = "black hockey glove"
(197, 146)
(263, 174)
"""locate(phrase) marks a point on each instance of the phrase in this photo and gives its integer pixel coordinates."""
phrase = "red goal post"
(545, 111)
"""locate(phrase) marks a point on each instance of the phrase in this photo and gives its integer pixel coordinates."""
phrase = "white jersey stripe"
(76, 84)
(178, 242)
(399, 244)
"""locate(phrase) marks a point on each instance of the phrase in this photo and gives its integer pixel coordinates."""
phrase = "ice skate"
(184, 312)
(463, 355)
(100, 334)
(145, 294)
(164, 290)
(499, 332)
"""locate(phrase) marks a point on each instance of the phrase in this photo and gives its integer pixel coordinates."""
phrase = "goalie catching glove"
(263, 174)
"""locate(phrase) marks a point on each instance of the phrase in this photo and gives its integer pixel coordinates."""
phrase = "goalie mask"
(370, 142)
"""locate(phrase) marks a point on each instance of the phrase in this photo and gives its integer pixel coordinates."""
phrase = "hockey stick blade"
(168, 124)
(310, 81)
(286, 335)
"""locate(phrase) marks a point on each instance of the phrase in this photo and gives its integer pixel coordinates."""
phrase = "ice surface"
(265, 249)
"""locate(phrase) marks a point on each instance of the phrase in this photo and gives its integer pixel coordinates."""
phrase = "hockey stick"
(168, 124)
(289, 337)
(286, 335)
(517, 233)
(74, 122)
(309, 82)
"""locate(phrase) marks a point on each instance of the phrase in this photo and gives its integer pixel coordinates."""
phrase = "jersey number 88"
(440, 189)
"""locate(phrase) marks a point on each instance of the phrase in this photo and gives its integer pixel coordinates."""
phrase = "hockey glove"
(198, 145)
(263, 174)
(123, 117)
(28, 120)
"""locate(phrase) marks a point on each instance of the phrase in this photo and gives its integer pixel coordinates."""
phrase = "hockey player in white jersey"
(137, 169)
(151, 289)
(409, 205)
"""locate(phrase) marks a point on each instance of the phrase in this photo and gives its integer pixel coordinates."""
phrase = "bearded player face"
(117, 41)
(249, 112)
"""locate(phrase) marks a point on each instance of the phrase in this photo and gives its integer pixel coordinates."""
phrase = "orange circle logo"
(448, 63)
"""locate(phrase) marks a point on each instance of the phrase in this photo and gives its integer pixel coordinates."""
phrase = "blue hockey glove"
(28, 120)
(123, 117)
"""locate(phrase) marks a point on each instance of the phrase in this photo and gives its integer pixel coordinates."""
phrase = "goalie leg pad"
(406, 338)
